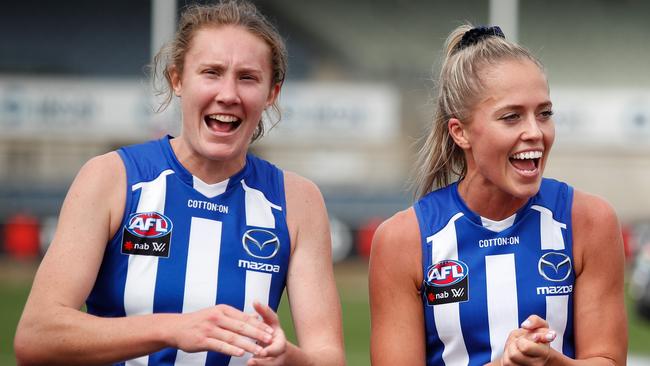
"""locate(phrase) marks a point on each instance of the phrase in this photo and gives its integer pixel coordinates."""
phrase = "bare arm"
(53, 330)
(313, 297)
(311, 288)
(397, 320)
(599, 310)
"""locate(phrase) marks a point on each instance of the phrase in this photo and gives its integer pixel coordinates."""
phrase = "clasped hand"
(227, 330)
(530, 344)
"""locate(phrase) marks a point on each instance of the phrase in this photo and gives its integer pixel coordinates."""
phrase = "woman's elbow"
(26, 347)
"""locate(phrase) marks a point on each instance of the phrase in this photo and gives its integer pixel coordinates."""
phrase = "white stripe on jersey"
(550, 230)
(447, 316)
(258, 209)
(501, 289)
(201, 277)
(141, 275)
(258, 287)
(557, 308)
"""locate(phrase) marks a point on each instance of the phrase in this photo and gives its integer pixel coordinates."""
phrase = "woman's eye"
(510, 117)
(547, 114)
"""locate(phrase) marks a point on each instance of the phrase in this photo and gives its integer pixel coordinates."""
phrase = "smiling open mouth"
(222, 122)
(526, 161)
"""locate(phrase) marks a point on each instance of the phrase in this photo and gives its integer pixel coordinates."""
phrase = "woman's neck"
(487, 200)
(208, 171)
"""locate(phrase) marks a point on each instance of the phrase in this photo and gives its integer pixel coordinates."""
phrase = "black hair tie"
(474, 35)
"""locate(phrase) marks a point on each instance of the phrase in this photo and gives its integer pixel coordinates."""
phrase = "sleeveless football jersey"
(483, 278)
(184, 245)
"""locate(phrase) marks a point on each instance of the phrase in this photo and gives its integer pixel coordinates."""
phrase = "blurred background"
(73, 84)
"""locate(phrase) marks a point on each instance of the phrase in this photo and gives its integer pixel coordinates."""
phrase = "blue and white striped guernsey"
(185, 245)
(483, 278)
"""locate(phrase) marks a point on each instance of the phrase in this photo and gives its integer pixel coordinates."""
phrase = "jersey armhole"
(417, 207)
(128, 197)
(569, 215)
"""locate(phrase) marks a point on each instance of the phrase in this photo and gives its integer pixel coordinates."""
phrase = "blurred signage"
(337, 112)
(76, 108)
(602, 116)
(108, 108)
(324, 112)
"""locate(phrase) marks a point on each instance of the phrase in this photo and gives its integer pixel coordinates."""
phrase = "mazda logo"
(554, 266)
(260, 243)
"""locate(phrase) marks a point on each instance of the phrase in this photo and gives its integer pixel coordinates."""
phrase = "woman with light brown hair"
(182, 247)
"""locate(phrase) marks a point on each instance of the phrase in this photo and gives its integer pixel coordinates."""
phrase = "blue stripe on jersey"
(213, 256)
(504, 280)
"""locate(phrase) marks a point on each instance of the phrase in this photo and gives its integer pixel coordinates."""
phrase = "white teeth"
(224, 118)
(528, 155)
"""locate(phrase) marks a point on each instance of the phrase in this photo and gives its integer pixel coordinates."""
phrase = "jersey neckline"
(486, 223)
(208, 190)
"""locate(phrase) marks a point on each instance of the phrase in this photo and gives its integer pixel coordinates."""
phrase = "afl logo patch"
(260, 243)
(446, 282)
(446, 273)
(554, 266)
(147, 233)
(149, 224)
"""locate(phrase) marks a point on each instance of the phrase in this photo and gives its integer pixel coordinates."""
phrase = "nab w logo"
(446, 273)
(149, 224)
(158, 247)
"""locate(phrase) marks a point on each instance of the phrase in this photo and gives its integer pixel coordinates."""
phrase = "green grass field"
(15, 281)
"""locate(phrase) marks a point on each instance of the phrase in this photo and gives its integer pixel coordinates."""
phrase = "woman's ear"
(273, 94)
(458, 133)
(175, 78)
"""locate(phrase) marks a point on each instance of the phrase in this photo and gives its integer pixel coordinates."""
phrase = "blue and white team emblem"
(147, 233)
(554, 266)
(260, 243)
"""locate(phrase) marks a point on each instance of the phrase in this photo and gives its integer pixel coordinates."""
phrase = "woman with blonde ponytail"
(495, 264)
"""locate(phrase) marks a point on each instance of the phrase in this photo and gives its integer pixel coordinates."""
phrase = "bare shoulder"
(593, 218)
(306, 214)
(100, 185)
(591, 209)
(396, 246)
(102, 170)
(300, 190)
(596, 228)
(402, 228)
(304, 200)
